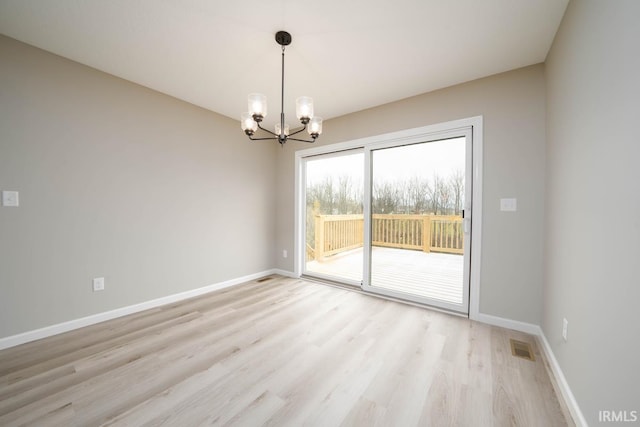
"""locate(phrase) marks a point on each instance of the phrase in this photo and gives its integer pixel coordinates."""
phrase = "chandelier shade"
(315, 126)
(304, 108)
(247, 123)
(257, 106)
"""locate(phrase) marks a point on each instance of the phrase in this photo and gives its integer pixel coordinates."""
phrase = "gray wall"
(513, 106)
(593, 203)
(154, 194)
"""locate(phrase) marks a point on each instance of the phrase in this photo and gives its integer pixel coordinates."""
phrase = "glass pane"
(416, 226)
(334, 220)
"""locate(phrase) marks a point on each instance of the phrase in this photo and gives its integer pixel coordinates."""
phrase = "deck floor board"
(432, 275)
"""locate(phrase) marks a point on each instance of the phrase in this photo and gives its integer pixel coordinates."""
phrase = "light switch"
(508, 205)
(10, 199)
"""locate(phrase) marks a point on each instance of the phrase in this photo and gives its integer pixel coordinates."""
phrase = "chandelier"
(250, 121)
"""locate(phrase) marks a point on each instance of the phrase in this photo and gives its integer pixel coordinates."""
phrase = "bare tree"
(418, 194)
(403, 192)
(456, 183)
(434, 193)
(335, 196)
(385, 198)
(343, 194)
(445, 196)
(348, 198)
(321, 196)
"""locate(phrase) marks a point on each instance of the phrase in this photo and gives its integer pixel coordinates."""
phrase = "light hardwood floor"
(280, 352)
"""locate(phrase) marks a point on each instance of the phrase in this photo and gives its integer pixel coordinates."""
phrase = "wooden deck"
(432, 275)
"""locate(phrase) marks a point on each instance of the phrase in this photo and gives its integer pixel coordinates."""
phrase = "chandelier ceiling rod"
(250, 121)
(282, 43)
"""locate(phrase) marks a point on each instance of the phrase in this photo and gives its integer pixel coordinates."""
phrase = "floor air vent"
(264, 279)
(522, 349)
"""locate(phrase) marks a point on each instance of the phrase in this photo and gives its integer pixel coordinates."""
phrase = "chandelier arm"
(301, 140)
(271, 138)
(298, 131)
(268, 131)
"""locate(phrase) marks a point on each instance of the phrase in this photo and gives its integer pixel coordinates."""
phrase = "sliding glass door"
(418, 246)
(334, 223)
(392, 217)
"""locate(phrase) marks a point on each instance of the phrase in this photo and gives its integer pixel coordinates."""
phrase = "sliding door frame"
(463, 307)
(303, 203)
(408, 136)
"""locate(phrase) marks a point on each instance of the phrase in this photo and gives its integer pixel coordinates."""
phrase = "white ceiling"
(347, 54)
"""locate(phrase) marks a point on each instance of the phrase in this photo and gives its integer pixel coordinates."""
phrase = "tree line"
(417, 195)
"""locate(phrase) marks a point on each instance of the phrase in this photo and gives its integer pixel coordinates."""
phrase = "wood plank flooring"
(284, 352)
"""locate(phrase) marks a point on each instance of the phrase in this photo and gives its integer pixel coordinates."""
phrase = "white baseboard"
(565, 390)
(14, 340)
(285, 273)
(536, 330)
(516, 325)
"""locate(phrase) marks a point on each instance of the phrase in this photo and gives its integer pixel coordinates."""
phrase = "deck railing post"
(319, 240)
(426, 233)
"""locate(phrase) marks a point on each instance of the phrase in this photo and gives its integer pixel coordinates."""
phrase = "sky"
(394, 164)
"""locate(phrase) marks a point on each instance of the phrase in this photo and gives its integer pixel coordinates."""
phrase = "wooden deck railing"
(338, 233)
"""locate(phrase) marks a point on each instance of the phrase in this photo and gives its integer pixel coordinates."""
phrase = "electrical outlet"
(565, 327)
(284, 253)
(98, 284)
